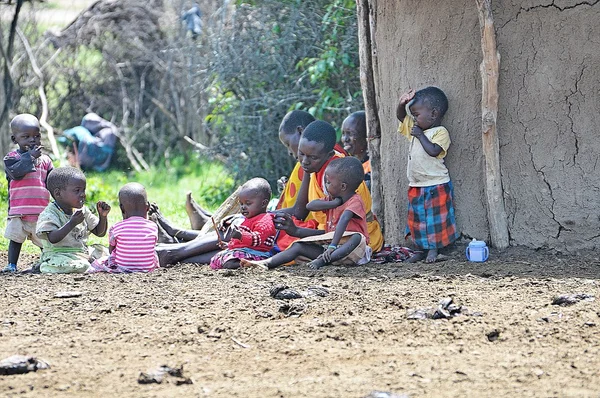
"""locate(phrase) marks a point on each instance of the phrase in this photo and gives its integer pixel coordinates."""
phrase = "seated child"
(131, 242)
(65, 224)
(344, 242)
(26, 171)
(430, 221)
(255, 237)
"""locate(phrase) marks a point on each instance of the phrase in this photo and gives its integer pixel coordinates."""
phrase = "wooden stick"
(216, 230)
(368, 60)
(489, 68)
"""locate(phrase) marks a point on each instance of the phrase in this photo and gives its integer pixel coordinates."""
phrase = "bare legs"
(197, 215)
(199, 250)
(310, 250)
(429, 257)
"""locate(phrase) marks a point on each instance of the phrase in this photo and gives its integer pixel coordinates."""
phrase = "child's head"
(67, 187)
(133, 200)
(290, 130)
(25, 131)
(343, 176)
(316, 146)
(254, 197)
(428, 107)
(354, 133)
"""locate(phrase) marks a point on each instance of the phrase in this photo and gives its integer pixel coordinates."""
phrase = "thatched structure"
(524, 153)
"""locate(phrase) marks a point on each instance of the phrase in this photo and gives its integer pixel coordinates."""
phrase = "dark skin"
(314, 251)
(131, 208)
(312, 157)
(354, 138)
(425, 117)
(26, 134)
(73, 196)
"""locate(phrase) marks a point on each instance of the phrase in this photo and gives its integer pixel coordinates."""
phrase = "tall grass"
(209, 182)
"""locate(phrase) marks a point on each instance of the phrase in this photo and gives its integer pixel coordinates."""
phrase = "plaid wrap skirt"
(430, 220)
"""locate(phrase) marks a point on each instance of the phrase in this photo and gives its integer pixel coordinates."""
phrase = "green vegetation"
(208, 181)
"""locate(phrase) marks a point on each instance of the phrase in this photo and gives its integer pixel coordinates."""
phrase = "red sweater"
(258, 233)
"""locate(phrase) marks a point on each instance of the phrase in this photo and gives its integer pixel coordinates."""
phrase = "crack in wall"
(540, 170)
(570, 117)
(548, 6)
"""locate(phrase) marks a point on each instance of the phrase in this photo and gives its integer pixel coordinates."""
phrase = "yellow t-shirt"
(424, 170)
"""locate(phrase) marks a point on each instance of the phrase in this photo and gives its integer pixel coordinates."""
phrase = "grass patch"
(209, 182)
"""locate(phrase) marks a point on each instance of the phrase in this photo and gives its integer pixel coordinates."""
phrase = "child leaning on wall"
(430, 220)
(26, 171)
(66, 223)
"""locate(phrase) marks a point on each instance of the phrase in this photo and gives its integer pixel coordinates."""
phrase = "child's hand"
(416, 131)
(232, 233)
(103, 208)
(327, 254)
(284, 222)
(406, 97)
(77, 217)
(35, 151)
(223, 245)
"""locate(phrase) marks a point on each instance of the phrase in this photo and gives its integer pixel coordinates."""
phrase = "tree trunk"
(367, 54)
(497, 218)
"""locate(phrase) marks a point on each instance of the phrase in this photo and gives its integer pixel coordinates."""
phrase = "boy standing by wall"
(430, 220)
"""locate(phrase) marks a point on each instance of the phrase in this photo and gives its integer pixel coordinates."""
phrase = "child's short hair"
(349, 170)
(23, 119)
(434, 98)
(359, 117)
(320, 131)
(294, 119)
(60, 177)
(133, 195)
(259, 186)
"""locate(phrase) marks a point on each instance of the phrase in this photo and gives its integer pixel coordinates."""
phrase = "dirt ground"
(233, 339)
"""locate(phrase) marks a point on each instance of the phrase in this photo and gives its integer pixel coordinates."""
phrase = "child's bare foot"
(415, 258)
(244, 263)
(431, 256)
(317, 263)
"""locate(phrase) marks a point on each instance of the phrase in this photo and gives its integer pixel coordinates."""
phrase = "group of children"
(332, 192)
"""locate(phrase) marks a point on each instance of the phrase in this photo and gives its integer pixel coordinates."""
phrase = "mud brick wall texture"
(548, 119)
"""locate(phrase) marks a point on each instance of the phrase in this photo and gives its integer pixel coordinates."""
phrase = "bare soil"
(233, 339)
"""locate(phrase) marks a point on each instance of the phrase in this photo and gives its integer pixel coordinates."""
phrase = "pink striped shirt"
(134, 240)
(27, 196)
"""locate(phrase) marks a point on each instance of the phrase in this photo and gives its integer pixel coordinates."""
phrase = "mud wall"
(547, 122)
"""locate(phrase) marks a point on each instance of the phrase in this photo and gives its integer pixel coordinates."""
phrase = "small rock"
(493, 335)
(68, 294)
(570, 299)
(18, 364)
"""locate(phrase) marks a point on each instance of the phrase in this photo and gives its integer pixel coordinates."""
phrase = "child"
(65, 224)
(255, 237)
(430, 219)
(26, 171)
(345, 237)
(354, 138)
(131, 241)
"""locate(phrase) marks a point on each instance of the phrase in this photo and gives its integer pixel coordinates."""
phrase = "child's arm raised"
(404, 99)
(429, 147)
(18, 167)
(59, 234)
(103, 210)
(322, 205)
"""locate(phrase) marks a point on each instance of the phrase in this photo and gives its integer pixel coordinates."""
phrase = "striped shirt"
(27, 193)
(134, 240)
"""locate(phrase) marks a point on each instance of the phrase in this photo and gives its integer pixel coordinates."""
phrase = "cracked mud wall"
(547, 121)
